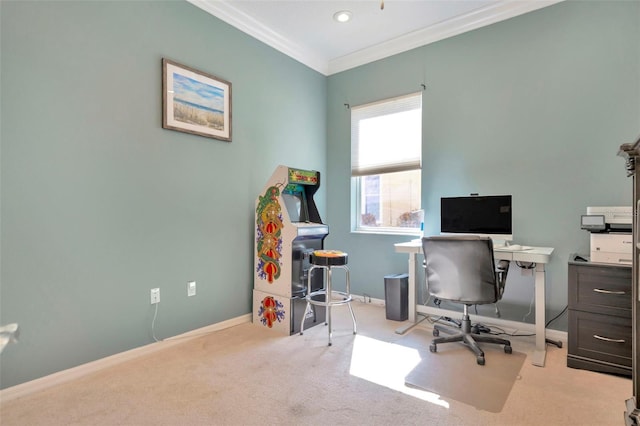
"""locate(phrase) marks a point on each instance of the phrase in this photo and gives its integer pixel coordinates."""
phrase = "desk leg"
(540, 351)
(412, 287)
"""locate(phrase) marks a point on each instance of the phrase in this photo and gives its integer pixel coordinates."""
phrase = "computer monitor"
(477, 215)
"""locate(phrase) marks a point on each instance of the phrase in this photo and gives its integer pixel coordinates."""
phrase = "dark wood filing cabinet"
(600, 325)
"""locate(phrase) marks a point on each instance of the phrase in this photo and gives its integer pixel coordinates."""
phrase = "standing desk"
(538, 255)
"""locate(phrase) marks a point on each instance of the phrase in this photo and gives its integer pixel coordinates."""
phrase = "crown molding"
(497, 12)
(452, 27)
(247, 24)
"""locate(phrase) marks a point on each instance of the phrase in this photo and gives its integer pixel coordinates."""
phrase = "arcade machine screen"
(296, 203)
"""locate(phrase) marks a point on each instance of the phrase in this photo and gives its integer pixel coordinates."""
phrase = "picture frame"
(195, 102)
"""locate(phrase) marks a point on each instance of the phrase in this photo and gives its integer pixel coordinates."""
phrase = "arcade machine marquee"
(288, 229)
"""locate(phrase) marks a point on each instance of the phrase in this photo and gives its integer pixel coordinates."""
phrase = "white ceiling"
(305, 29)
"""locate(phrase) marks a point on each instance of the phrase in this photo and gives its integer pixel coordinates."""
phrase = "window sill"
(389, 231)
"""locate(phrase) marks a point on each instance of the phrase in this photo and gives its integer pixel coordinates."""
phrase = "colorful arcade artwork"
(271, 310)
(303, 176)
(269, 235)
(288, 228)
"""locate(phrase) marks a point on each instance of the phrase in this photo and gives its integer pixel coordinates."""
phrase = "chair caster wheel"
(480, 360)
(436, 332)
(508, 349)
(433, 348)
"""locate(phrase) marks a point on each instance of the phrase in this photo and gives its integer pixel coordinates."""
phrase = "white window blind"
(386, 136)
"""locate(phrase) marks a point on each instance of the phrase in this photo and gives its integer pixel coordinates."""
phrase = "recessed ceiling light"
(342, 16)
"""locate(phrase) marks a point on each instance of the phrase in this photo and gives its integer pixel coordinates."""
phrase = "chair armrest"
(502, 266)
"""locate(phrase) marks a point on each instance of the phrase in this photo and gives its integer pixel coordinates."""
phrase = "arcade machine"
(288, 229)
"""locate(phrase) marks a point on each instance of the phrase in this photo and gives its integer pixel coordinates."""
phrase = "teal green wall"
(100, 204)
(535, 106)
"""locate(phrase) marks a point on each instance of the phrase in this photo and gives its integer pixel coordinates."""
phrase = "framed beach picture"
(195, 102)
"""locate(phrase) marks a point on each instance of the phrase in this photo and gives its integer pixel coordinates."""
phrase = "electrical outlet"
(191, 288)
(155, 296)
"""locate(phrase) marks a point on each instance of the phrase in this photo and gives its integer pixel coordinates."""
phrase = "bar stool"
(327, 260)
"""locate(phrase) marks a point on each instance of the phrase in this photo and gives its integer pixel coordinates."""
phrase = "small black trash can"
(396, 296)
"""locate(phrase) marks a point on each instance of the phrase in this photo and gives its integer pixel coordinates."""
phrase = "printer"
(611, 234)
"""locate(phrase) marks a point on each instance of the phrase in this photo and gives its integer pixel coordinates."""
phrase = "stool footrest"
(337, 298)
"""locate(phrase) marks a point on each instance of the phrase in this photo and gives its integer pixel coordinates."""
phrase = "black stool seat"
(328, 258)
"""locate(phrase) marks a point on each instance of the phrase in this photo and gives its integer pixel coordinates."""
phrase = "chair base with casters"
(467, 337)
(327, 260)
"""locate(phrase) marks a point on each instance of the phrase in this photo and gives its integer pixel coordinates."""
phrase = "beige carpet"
(485, 387)
(246, 376)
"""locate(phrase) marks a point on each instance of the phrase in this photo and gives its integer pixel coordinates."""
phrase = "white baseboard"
(64, 376)
(368, 299)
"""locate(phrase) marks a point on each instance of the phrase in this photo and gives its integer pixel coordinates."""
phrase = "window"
(386, 160)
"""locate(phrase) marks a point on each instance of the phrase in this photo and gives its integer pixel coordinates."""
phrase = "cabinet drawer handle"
(606, 339)
(599, 290)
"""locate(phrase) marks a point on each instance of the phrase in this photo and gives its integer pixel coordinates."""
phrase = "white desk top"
(538, 255)
(528, 254)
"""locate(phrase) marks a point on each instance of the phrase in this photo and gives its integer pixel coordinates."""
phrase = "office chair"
(462, 269)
